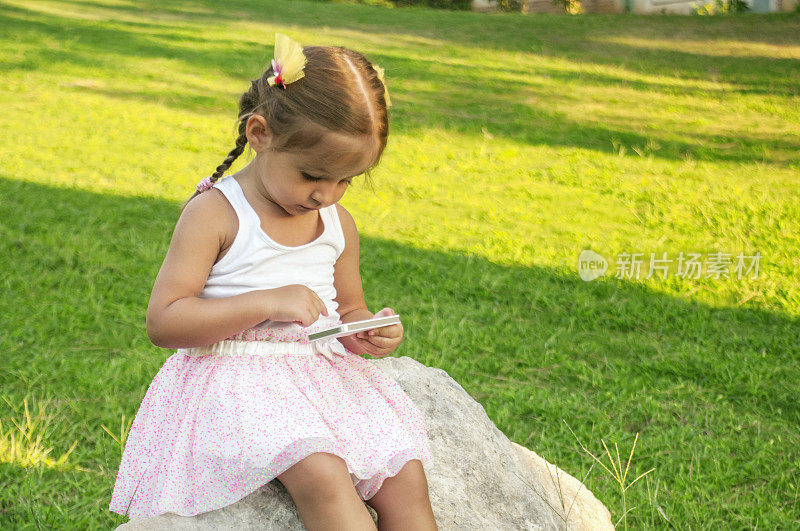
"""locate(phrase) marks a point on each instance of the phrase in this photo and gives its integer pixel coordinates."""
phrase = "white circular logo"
(591, 265)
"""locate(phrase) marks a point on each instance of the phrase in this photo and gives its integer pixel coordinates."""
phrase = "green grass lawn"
(517, 142)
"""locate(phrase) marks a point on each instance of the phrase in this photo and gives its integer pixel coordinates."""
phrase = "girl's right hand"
(294, 303)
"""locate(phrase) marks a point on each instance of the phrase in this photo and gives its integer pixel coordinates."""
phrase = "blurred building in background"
(683, 7)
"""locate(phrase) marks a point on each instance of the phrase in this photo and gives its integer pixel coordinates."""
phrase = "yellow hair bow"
(288, 62)
(379, 70)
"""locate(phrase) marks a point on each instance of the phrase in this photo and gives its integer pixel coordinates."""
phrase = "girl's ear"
(258, 133)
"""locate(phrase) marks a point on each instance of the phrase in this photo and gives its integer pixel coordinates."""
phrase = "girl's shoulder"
(212, 213)
(195, 247)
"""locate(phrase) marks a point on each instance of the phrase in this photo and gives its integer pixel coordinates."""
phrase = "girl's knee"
(408, 487)
(319, 474)
(412, 475)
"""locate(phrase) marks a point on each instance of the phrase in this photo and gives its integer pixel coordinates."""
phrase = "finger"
(386, 331)
(383, 312)
(367, 346)
(363, 338)
(321, 305)
(381, 342)
(371, 349)
(365, 341)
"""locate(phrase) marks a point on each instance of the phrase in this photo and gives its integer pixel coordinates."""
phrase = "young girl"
(258, 260)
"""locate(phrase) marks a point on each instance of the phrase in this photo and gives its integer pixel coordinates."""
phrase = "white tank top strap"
(332, 221)
(233, 192)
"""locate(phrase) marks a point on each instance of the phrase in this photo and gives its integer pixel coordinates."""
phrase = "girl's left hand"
(380, 342)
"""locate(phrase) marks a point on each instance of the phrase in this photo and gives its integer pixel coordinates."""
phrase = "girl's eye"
(311, 178)
(315, 179)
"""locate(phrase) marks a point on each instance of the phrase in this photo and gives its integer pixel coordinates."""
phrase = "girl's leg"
(402, 502)
(324, 494)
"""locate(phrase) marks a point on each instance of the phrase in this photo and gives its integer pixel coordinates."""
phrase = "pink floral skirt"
(218, 422)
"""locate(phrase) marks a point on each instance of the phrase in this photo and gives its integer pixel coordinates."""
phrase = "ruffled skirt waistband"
(238, 347)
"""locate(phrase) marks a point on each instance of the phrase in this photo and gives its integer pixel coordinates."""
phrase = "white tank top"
(255, 261)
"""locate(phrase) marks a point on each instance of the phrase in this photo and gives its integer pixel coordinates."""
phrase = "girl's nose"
(325, 194)
(318, 198)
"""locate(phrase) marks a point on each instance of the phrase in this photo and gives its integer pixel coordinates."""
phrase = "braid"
(247, 106)
(241, 142)
(248, 103)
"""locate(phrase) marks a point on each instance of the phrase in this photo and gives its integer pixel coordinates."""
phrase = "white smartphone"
(346, 329)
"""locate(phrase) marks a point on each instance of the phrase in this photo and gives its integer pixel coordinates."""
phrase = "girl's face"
(301, 182)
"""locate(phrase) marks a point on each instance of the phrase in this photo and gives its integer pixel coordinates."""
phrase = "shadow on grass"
(618, 357)
(511, 108)
(83, 265)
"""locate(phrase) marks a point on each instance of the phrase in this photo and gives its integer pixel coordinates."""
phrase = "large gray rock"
(480, 479)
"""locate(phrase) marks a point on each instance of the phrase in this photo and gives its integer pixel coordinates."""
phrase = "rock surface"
(480, 479)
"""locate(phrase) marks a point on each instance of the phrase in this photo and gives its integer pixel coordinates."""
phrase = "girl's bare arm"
(176, 316)
(347, 281)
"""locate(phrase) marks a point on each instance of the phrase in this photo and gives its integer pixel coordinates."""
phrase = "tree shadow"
(527, 342)
(84, 265)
